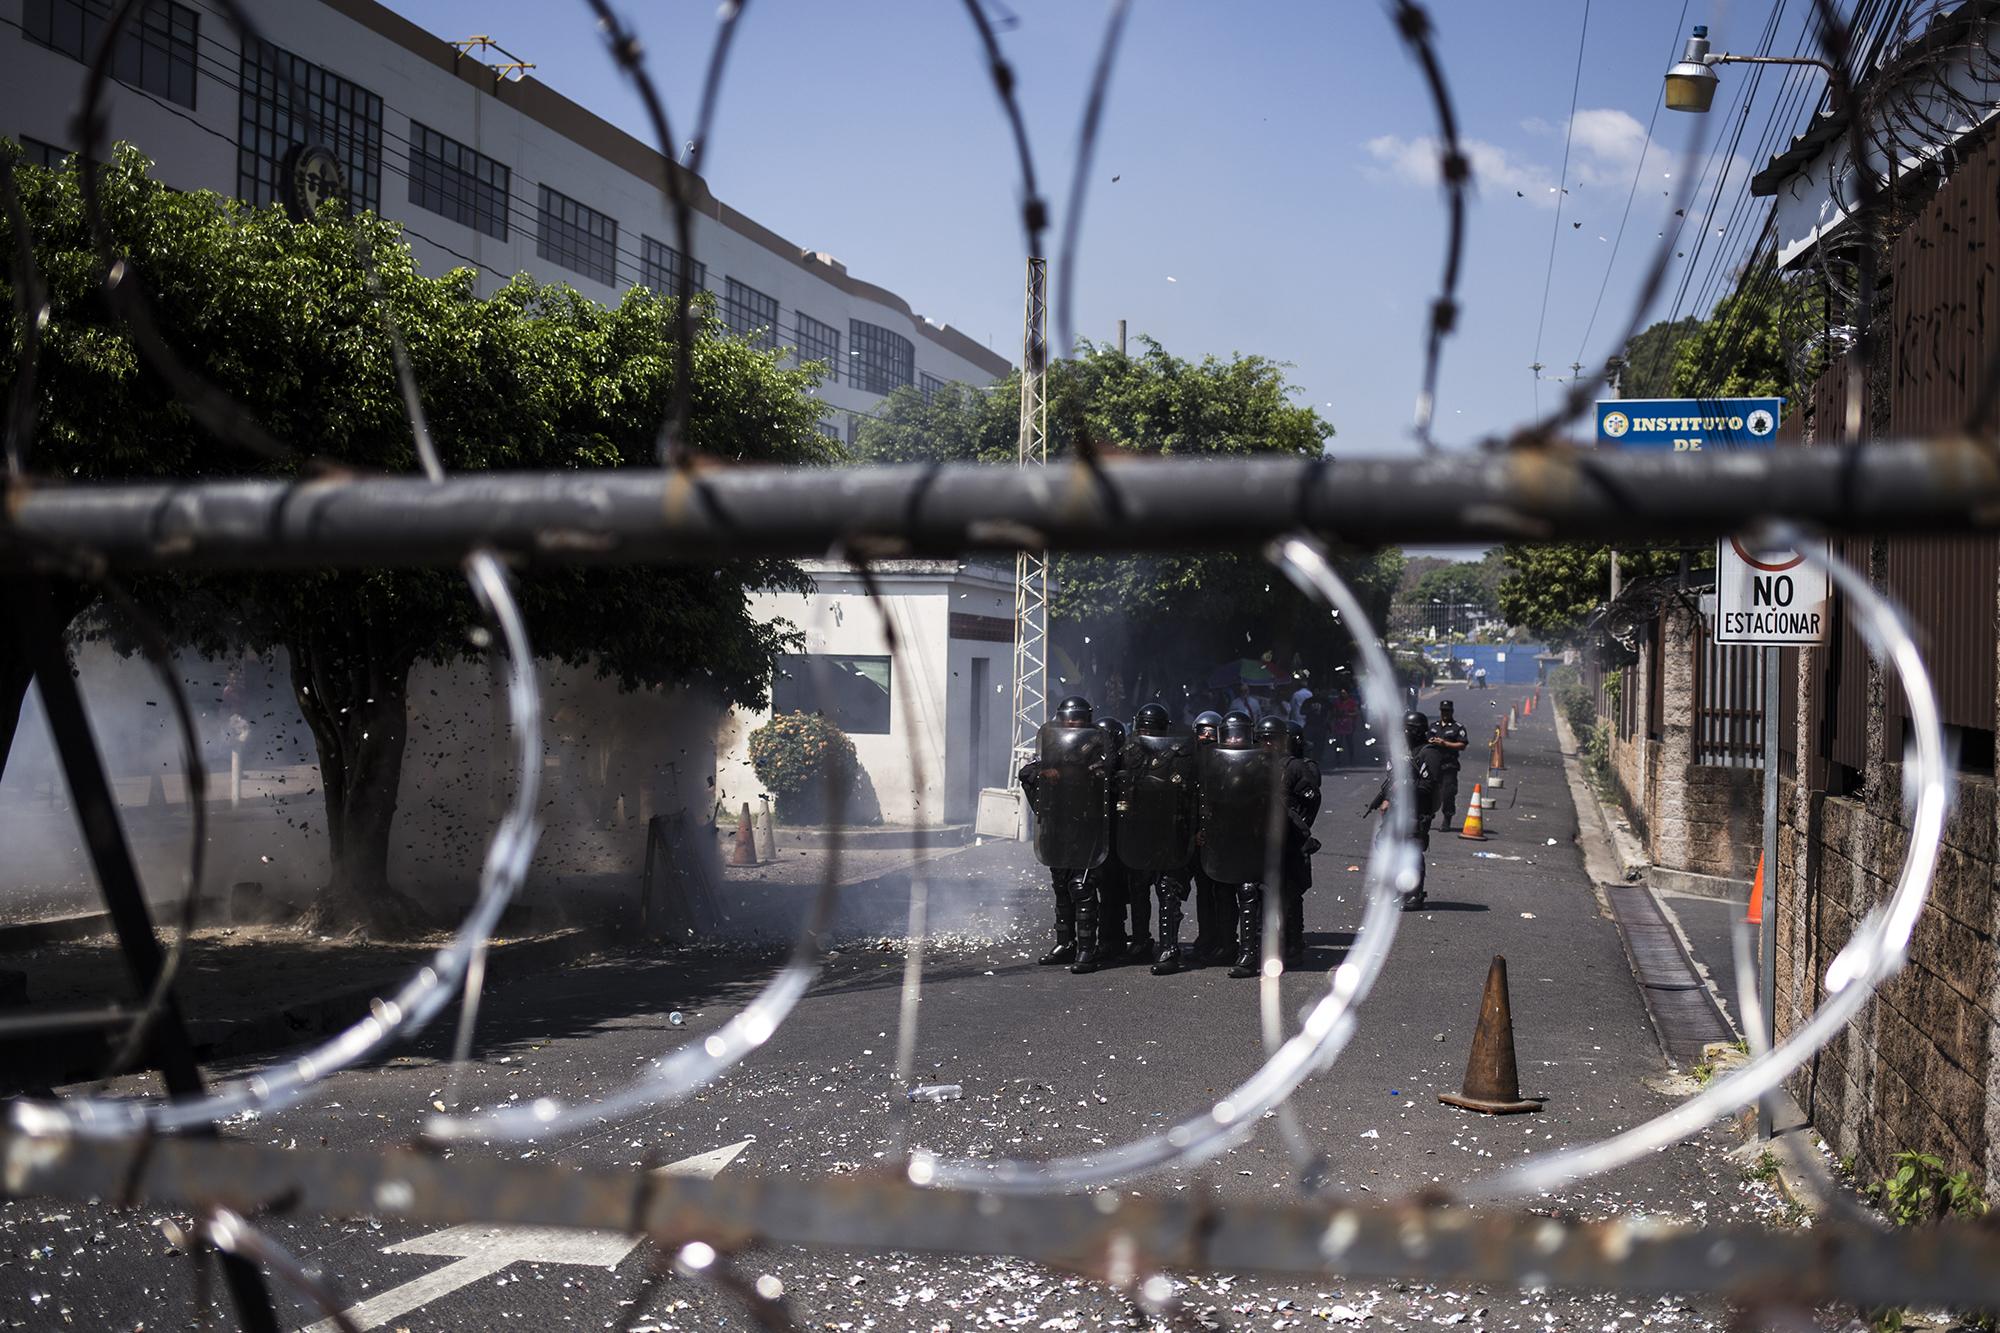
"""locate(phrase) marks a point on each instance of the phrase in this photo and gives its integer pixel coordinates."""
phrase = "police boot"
(1065, 950)
(1169, 960)
(1087, 957)
(1249, 930)
(1295, 928)
(1141, 949)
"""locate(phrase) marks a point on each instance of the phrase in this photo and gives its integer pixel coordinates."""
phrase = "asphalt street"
(1050, 1063)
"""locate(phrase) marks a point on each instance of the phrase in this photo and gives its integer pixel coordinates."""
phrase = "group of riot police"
(1222, 810)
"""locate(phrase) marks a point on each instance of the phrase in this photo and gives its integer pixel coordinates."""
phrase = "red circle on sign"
(1766, 565)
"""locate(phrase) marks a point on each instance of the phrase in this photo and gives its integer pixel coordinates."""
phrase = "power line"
(1638, 169)
(1562, 192)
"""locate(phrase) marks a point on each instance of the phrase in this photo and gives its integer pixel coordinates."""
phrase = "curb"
(1688, 884)
(226, 1039)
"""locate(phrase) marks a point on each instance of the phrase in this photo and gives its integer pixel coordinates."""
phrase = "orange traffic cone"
(1755, 916)
(1499, 756)
(744, 853)
(1492, 1082)
(1474, 826)
(1528, 707)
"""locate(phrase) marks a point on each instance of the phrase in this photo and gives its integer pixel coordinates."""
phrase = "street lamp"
(1691, 80)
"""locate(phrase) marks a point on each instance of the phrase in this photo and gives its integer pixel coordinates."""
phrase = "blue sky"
(1275, 191)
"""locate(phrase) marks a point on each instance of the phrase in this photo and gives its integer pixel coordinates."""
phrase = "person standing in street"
(1214, 904)
(1068, 785)
(1426, 761)
(1109, 878)
(1450, 739)
(1301, 778)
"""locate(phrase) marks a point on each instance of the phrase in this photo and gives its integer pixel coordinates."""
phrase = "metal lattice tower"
(1031, 569)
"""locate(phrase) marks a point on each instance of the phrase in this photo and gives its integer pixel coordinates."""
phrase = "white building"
(947, 695)
(484, 170)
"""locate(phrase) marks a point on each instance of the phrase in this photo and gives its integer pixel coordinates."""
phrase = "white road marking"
(483, 1250)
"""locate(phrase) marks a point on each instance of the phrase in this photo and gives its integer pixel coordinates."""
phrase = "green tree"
(1650, 356)
(1739, 350)
(1551, 589)
(1155, 622)
(286, 318)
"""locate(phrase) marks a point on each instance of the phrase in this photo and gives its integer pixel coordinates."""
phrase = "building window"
(156, 47)
(661, 266)
(578, 237)
(750, 314)
(883, 361)
(342, 117)
(36, 153)
(930, 386)
(853, 428)
(458, 182)
(830, 429)
(850, 692)
(819, 342)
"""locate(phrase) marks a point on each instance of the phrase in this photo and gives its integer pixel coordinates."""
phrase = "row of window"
(286, 100)
(155, 51)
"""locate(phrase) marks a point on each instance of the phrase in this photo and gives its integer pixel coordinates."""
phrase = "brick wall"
(1693, 817)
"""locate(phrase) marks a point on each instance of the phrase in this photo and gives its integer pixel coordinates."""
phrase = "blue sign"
(1685, 424)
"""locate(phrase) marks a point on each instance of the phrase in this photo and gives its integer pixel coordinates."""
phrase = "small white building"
(942, 704)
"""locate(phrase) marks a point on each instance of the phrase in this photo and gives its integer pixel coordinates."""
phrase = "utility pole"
(1031, 569)
(1121, 337)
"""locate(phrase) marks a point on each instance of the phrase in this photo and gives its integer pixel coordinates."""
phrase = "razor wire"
(51, 1137)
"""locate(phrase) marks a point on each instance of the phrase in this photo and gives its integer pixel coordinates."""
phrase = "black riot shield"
(1236, 812)
(1155, 790)
(1072, 795)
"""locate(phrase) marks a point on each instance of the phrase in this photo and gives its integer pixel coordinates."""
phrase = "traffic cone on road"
(1492, 1082)
(1474, 826)
(1513, 719)
(1755, 916)
(1499, 755)
(744, 853)
(1528, 706)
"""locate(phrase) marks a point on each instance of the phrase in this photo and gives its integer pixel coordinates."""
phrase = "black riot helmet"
(1237, 730)
(1444, 710)
(1274, 733)
(1074, 711)
(1416, 728)
(1115, 729)
(1152, 720)
(1208, 726)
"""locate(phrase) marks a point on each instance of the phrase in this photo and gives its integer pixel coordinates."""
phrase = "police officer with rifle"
(1155, 813)
(1068, 784)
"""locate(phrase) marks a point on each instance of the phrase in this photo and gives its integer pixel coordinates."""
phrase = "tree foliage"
(1147, 623)
(1738, 351)
(1650, 357)
(287, 319)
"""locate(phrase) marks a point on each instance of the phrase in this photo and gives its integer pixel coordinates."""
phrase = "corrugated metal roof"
(1947, 25)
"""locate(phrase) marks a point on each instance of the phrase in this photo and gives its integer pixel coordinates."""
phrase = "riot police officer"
(1449, 738)
(1301, 778)
(1069, 786)
(1215, 907)
(1155, 812)
(1426, 766)
(1237, 780)
(1109, 880)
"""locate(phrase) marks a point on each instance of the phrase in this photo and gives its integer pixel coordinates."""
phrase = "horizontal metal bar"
(1938, 487)
(1953, 1265)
